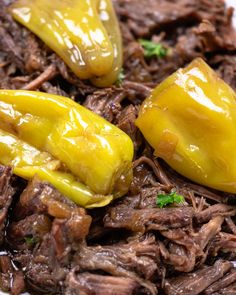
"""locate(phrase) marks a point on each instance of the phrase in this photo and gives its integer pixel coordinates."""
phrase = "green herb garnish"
(163, 200)
(153, 49)
(121, 77)
(30, 241)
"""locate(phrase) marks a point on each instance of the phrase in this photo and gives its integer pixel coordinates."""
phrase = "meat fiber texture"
(49, 245)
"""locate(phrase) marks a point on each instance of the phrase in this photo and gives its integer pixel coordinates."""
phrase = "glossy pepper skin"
(84, 33)
(65, 144)
(190, 121)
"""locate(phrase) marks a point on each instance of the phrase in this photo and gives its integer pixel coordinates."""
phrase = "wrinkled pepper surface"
(190, 121)
(80, 153)
(84, 33)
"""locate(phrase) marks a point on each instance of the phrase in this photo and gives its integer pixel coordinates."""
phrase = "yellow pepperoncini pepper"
(190, 121)
(80, 153)
(84, 33)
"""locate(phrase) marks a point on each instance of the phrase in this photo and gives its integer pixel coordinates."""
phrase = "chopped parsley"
(121, 77)
(153, 49)
(30, 241)
(164, 200)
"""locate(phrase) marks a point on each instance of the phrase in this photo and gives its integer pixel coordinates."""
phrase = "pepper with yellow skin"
(84, 33)
(65, 144)
(190, 121)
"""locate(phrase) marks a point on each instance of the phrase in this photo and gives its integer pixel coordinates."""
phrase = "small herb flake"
(30, 241)
(153, 49)
(164, 200)
(121, 77)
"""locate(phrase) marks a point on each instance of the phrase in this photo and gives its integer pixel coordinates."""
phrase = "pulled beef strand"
(195, 283)
(93, 284)
(148, 218)
(6, 194)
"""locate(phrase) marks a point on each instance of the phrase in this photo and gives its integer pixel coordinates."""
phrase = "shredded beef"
(49, 245)
(6, 194)
(222, 283)
(11, 280)
(148, 219)
(136, 260)
(195, 283)
(93, 284)
(46, 230)
(230, 290)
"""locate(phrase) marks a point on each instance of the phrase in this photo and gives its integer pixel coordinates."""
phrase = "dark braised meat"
(222, 283)
(195, 283)
(46, 230)
(11, 279)
(148, 219)
(92, 284)
(137, 260)
(6, 194)
(49, 245)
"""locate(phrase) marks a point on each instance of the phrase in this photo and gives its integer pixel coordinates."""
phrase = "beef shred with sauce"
(49, 245)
